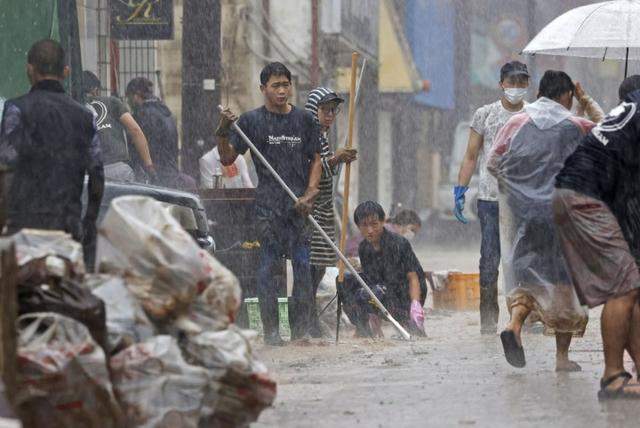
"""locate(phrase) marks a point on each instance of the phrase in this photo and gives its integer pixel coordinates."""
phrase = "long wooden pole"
(347, 171)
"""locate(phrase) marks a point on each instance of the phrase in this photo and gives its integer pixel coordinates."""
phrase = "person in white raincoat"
(527, 154)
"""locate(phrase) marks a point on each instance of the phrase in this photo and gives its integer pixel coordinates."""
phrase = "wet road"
(453, 378)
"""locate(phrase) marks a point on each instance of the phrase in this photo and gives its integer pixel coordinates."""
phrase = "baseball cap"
(513, 68)
(330, 97)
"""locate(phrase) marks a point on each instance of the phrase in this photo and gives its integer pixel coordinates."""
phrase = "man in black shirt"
(390, 268)
(159, 126)
(289, 139)
(115, 123)
(50, 142)
(597, 212)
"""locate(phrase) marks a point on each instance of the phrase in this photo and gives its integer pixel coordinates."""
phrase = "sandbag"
(244, 388)
(164, 266)
(156, 387)
(127, 323)
(216, 308)
(62, 375)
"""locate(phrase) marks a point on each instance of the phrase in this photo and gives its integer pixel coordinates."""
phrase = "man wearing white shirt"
(234, 176)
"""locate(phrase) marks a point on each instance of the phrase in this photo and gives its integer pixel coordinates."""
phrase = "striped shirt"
(321, 252)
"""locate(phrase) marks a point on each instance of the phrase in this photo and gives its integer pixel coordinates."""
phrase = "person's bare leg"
(633, 347)
(615, 327)
(519, 313)
(563, 363)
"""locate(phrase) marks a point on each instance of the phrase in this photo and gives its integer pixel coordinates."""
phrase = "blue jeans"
(489, 216)
(284, 237)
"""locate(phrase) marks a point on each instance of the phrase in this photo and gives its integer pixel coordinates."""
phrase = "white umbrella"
(607, 30)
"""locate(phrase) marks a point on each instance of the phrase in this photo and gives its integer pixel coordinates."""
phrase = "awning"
(430, 29)
(397, 71)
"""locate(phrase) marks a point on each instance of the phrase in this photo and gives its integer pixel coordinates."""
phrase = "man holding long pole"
(289, 139)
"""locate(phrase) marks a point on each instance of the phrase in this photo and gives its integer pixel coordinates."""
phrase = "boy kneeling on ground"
(392, 271)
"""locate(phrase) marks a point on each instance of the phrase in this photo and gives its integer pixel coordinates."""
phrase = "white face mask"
(515, 95)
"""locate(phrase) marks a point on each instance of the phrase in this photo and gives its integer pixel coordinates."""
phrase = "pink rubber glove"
(417, 314)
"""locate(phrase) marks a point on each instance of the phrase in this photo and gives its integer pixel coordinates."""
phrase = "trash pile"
(148, 341)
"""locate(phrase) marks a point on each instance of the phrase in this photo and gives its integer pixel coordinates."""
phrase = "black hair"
(554, 84)
(141, 86)
(368, 209)
(89, 82)
(274, 69)
(514, 69)
(406, 217)
(628, 85)
(47, 57)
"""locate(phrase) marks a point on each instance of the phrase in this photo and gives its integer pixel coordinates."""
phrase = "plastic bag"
(165, 268)
(127, 323)
(156, 387)
(244, 389)
(32, 244)
(62, 375)
(45, 255)
(66, 297)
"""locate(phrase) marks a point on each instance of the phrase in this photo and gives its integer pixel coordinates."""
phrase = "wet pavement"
(455, 377)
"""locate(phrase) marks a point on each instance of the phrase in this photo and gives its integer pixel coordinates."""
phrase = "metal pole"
(326, 237)
(626, 64)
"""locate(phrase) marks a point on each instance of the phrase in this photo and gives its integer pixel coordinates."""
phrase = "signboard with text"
(141, 19)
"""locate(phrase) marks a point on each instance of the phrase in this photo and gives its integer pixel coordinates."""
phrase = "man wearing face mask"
(487, 121)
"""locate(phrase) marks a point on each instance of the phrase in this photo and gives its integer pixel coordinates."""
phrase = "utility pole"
(70, 41)
(201, 75)
(315, 36)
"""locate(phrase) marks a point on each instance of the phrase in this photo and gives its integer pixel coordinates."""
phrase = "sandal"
(513, 352)
(618, 393)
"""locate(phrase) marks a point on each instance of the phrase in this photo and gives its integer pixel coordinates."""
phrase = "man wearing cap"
(324, 104)
(487, 121)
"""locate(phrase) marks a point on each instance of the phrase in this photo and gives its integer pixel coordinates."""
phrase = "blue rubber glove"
(458, 200)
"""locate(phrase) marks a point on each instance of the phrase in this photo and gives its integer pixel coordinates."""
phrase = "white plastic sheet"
(62, 374)
(527, 155)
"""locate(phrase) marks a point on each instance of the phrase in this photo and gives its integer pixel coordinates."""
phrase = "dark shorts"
(597, 255)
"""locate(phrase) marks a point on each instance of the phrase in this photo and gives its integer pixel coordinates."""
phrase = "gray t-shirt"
(487, 121)
(108, 111)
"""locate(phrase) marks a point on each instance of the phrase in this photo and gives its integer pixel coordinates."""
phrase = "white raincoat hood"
(546, 113)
